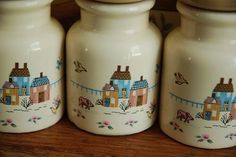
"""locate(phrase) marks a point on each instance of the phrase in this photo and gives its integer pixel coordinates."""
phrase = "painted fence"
(185, 101)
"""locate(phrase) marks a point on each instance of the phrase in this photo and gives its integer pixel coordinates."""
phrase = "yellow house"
(110, 95)
(211, 109)
(11, 93)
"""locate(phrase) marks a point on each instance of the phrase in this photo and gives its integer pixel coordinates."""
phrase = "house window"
(213, 113)
(126, 82)
(144, 91)
(112, 100)
(15, 79)
(134, 93)
(115, 82)
(25, 79)
(13, 98)
(208, 106)
(107, 93)
(228, 94)
(7, 91)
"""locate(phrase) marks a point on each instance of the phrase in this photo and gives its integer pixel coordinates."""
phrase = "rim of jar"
(206, 16)
(23, 4)
(220, 5)
(115, 9)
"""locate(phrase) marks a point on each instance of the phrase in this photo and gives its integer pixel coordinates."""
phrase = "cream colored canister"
(31, 66)
(198, 98)
(113, 58)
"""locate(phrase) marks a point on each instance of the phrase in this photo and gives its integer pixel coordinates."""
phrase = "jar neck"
(201, 24)
(129, 23)
(30, 16)
(115, 17)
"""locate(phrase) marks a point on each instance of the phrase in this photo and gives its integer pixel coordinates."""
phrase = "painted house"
(233, 109)
(110, 95)
(22, 77)
(122, 80)
(139, 93)
(11, 93)
(211, 109)
(40, 89)
(224, 93)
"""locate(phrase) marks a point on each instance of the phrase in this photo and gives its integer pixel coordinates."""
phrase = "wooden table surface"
(65, 140)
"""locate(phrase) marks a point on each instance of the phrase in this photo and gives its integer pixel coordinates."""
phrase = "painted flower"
(105, 124)
(131, 122)
(176, 126)
(34, 119)
(204, 137)
(8, 122)
(230, 136)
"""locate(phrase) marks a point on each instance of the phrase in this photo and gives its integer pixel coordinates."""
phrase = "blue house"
(22, 77)
(122, 80)
(224, 93)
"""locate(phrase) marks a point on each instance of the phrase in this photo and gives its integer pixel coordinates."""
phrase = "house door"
(140, 101)
(207, 115)
(41, 97)
(107, 102)
(124, 92)
(8, 100)
(23, 91)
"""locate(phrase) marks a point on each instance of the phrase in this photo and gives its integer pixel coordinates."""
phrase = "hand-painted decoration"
(79, 67)
(184, 116)
(56, 104)
(18, 88)
(176, 126)
(230, 136)
(105, 124)
(180, 79)
(204, 138)
(34, 119)
(8, 122)
(131, 122)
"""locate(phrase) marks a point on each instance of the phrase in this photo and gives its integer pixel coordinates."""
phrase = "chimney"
(41, 74)
(141, 78)
(10, 80)
(25, 65)
(127, 68)
(221, 80)
(230, 81)
(118, 68)
(17, 65)
(111, 83)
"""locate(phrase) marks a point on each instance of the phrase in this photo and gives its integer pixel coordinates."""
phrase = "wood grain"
(64, 139)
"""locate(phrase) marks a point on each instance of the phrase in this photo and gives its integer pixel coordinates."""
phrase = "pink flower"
(9, 121)
(205, 136)
(231, 134)
(106, 123)
(34, 117)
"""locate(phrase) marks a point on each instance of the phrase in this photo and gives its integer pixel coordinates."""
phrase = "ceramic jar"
(113, 56)
(198, 98)
(31, 66)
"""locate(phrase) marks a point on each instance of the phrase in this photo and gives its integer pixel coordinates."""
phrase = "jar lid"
(118, 1)
(219, 5)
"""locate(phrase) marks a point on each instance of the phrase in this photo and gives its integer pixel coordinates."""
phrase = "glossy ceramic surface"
(198, 92)
(113, 57)
(31, 66)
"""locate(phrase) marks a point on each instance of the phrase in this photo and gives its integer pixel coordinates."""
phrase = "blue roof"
(40, 81)
(140, 85)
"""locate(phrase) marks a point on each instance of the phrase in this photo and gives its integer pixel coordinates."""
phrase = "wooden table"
(65, 140)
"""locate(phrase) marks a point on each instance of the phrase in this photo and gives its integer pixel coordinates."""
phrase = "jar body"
(112, 79)
(31, 76)
(197, 96)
